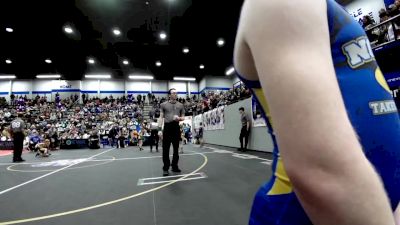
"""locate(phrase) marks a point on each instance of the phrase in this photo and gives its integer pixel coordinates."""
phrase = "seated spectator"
(387, 30)
(394, 10)
(397, 4)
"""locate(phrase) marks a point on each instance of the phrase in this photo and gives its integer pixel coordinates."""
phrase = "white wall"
(216, 83)
(65, 84)
(235, 80)
(90, 85)
(112, 85)
(219, 82)
(65, 88)
(42, 85)
(180, 86)
(159, 88)
(42, 88)
(365, 7)
(22, 87)
(202, 84)
(5, 89)
(194, 88)
(109, 87)
(138, 87)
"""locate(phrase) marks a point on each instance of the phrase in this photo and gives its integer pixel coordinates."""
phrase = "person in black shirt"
(245, 130)
(17, 131)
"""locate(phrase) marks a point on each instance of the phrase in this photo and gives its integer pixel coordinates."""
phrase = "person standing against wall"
(245, 130)
(17, 130)
(172, 112)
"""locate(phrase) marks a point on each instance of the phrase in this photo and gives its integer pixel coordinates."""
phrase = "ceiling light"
(44, 76)
(163, 35)
(185, 50)
(9, 30)
(185, 78)
(8, 61)
(220, 42)
(91, 61)
(7, 76)
(117, 32)
(98, 76)
(230, 71)
(201, 66)
(141, 77)
(68, 30)
(48, 61)
(158, 63)
(147, 3)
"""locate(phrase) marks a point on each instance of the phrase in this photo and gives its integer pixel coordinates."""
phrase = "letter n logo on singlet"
(358, 52)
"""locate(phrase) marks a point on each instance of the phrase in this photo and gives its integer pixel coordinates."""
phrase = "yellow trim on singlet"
(258, 92)
(381, 80)
(282, 184)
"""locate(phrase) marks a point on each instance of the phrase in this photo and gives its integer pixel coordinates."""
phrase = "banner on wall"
(6, 145)
(65, 84)
(197, 120)
(393, 80)
(258, 120)
(360, 8)
(213, 119)
(219, 118)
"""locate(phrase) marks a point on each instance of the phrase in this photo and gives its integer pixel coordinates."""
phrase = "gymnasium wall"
(93, 87)
(217, 83)
(259, 138)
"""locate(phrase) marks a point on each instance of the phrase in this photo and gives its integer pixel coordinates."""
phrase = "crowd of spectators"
(386, 32)
(110, 119)
(208, 100)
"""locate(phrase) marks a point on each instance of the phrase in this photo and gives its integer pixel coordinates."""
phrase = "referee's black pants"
(18, 140)
(172, 135)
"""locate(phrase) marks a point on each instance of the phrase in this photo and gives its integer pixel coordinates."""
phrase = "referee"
(17, 130)
(171, 113)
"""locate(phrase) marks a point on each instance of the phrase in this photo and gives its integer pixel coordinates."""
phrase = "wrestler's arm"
(397, 215)
(286, 45)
